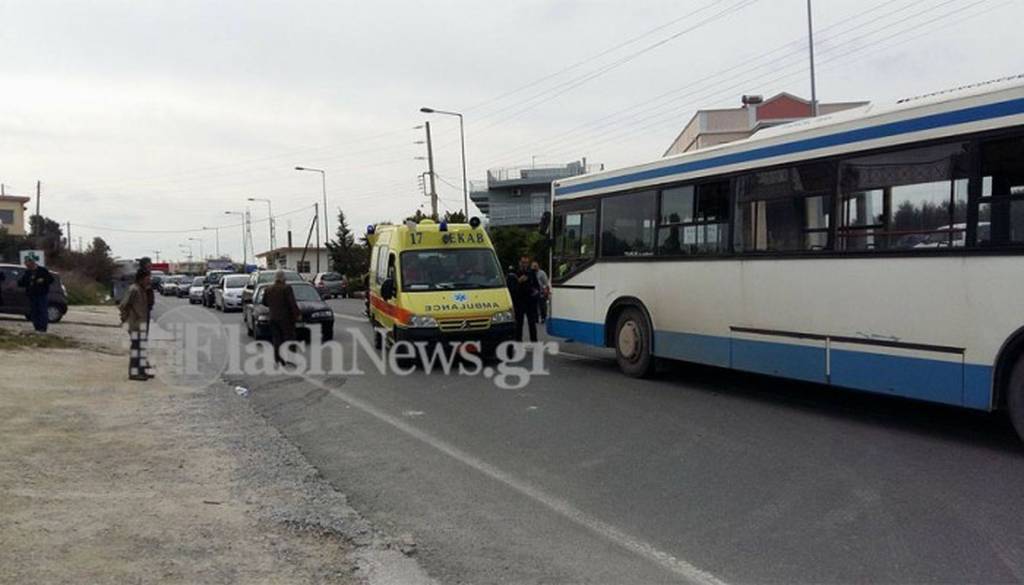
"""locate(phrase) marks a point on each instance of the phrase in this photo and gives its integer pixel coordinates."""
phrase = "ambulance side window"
(382, 264)
(373, 261)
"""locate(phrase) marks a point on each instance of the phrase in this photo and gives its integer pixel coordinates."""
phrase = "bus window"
(627, 224)
(694, 219)
(1001, 209)
(915, 198)
(575, 242)
(785, 209)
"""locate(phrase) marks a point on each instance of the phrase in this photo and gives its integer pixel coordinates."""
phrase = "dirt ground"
(103, 480)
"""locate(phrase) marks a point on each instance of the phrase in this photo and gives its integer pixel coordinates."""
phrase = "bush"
(82, 290)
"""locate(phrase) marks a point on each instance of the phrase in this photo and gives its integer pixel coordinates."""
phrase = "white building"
(303, 260)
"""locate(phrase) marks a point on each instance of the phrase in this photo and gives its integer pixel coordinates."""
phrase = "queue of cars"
(227, 291)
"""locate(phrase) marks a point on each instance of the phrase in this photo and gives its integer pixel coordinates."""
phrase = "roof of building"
(15, 198)
(287, 249)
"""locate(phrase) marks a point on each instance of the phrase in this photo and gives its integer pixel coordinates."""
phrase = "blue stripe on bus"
(968, 385)
(579, 331)
(964, 116)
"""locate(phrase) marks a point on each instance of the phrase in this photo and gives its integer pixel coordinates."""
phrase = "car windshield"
(305, 292)
(235, 281)
(464, 268)
(197, 281)
(332, 276)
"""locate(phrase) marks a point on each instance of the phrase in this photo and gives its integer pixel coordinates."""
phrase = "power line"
(190, 230)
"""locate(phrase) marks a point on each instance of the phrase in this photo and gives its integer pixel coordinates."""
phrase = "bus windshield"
(464, 268)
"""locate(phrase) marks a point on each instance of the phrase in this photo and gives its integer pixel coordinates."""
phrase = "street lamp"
(270, 220)
(216, 232)
(202, 254)
(462, 139)
(188, 249)
(323, 178)
(245, 257)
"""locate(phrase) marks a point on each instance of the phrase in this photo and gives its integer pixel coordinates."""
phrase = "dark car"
(315, 313)
(212, 280)
(14, 301)
(265, 277)
(331, 284)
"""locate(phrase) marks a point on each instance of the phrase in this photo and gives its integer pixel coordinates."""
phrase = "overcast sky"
(160, 116)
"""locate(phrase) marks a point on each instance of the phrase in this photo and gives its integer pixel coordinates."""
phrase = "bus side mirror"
(545, 223)
(387, 289)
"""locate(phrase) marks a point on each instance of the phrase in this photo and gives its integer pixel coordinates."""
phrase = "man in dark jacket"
(525, 292)
(279, 298)
(36, 281)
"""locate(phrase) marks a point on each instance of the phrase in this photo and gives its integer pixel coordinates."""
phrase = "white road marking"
(640, 547)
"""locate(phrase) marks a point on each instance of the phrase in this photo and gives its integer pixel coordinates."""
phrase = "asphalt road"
(699, 475)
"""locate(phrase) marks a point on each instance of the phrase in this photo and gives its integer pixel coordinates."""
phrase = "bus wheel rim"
(629, 340)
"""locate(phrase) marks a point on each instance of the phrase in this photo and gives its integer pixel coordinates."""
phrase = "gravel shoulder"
(103, 480)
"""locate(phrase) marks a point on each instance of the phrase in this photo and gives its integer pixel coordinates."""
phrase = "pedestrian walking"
(36, 281)
(545, 291)
(525, 292)
(135, 312)
(279, 298)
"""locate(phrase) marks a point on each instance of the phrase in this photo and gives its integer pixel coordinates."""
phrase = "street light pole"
(462, 140)
(270, 220)
(216, 232)
(323, 179)
(245, 257)
(810, 44)
(202, 254)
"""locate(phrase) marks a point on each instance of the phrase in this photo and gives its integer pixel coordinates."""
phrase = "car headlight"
(322, 314)
(422, 321)
(503, 317)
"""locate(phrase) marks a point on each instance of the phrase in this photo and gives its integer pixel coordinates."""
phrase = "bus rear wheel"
(1015, 397)
(633, 344)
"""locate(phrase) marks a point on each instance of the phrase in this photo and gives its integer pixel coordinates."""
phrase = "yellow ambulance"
(442, 282)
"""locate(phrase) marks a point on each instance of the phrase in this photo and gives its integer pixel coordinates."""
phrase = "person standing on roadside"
(525, 292)
(279, 298)
(135, 312)
(36, 281)
(545, 291)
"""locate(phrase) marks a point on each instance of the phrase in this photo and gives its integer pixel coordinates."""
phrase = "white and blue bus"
(878, 249)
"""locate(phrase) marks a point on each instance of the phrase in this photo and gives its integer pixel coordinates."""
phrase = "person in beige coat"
(135, 313)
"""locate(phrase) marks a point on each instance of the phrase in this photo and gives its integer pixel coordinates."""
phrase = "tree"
(347, 257)
(47, 235)
(512, 242)
(417, 217)
(454, 217)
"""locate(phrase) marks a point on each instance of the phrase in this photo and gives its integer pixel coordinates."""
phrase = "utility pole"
(70, 246)
(810, 44)
(316, 208)
(430, 164)
(248, 233)
(216, 232)
(39, 220)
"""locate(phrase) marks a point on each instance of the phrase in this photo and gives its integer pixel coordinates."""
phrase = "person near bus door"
(135, 312)
(545, 291)
(525, 292)
(279, 298)
(36, 281)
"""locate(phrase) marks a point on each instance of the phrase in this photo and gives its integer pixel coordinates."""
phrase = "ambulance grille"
(471, 324)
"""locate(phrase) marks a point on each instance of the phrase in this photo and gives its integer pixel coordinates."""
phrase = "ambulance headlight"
(422, 321)
(503, 317)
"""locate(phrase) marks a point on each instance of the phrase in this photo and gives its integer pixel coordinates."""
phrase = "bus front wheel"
(1015, 397)
(633, 343)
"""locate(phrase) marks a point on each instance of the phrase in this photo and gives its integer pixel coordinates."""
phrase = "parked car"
(266, 277)
(315, 313)
(195, 291)
(211, 280)
(157, 279)
(184, 283)
(169, 285)
(14, 301)
(333, 284)
(228, 293)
